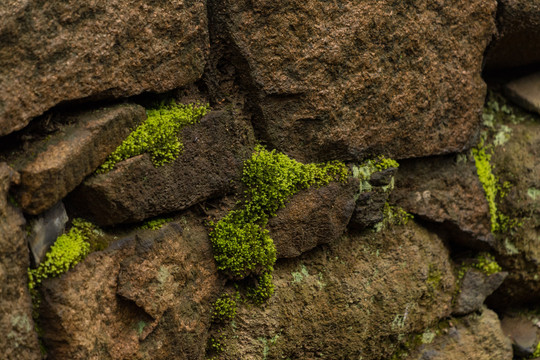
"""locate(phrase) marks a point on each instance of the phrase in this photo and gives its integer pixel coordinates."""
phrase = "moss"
(486, 263)
(154, 224)
(263, 290)
(224, 309)
(393, 216)
(241, 244)
(158, 135)
(434, 277)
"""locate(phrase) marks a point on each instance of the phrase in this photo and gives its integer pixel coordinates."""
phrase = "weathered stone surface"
(523, 333)
(57, 51)
(18, 340)
(348, 300)
(210, 166)
(313, 217)
(525, 91)
(447, 192)
(516, 42)
(147, 296)
(475, 287)
(45, 229)
(348, 79)
(52, 167)
(475, 337)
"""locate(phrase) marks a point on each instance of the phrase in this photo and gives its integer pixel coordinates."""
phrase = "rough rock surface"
(147, 296)
(313, 217)
(525, 91)
(18, 340)
(210, 166)
(45, 228)
(349, 79)
(57, 51)
(52, 167)
(447, 192)
(516, 43)
(475, 287)
(349, 300)
(475, 337)
(523, 332)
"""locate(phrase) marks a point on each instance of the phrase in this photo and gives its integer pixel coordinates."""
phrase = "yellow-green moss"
(224, 309)
(158, 135)
(536, 353)
(155, 224)
(240, 241)
(486, 263)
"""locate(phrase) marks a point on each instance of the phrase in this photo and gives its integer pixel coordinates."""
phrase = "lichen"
(241, 244)
(158, 135)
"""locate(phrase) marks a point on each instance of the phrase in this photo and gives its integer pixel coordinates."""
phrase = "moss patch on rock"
(158, 135)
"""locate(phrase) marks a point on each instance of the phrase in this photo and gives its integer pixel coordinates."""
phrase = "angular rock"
(523, 333)
(354, 298)
(348, 80)
(475, 287)
(447, 192)
(475, 337)
(59, 51)
(147, 296)
(516, 42)
(52, 167)
(525, 91)
(45, 229)
(313, 217)
(19, 340)
(210, 166)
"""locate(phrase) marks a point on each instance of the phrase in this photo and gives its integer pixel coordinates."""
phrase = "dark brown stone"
(18, 340)
(525, 91)
(210, 166)
(475, 287)
(313, 217)
(516, 42)
(52, 167)
(447, 192)
(57, 51)
(350, 79)
(148, 296)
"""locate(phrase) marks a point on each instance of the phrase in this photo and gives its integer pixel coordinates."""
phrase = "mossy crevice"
(158, 135)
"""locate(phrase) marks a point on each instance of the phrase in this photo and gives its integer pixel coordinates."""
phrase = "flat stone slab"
(52, 167)
(59, 51)
(210, 166)
(525, 92)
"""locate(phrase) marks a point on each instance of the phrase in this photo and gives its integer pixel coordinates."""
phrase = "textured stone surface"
(349, 79)
(475, 287)
(210, 166)
(44, 231)
(525, 91)
(523, 333)
(348, 300)
(57, 51)
(52, 167)
(446, 192)
(313, 217)
(474, 337)
(18, 340)
(516, 42)
(147, 296)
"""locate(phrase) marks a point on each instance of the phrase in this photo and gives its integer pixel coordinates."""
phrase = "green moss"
(224, 309)
(154, 224)
(158, 135)
(434, 277)
(536, 353)
(241, 243)
(486, 263)
(393, 216)
(263, 290)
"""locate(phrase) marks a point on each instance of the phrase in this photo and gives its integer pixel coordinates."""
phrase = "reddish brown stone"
(56, 51)
(349, 79)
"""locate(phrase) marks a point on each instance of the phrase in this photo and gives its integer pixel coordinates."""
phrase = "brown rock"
(214, 152)
(59, 51)
(447, 192)
(147, 296)
(525, 91)
(348, 300)
(18, 340)
(313, 217)
(516, 44)
(522, 332)
(52, 167)
(345, 80)
(475, 337)
(475, 287)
